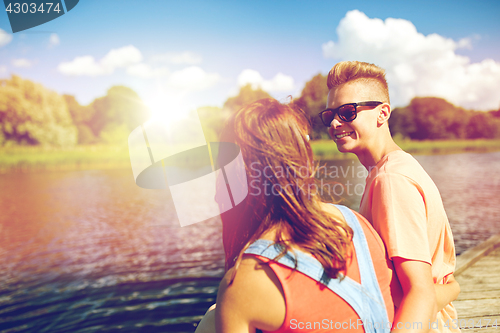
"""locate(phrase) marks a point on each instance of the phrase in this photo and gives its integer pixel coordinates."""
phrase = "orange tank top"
(312, 307)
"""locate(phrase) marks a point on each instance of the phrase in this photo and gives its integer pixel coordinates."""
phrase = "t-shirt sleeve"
(399, 215)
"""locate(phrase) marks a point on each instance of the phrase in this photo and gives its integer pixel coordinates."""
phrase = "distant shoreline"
(35, 158)
(326, 150)
(22, 159)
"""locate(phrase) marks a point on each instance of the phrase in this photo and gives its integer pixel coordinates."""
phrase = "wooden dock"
(478, 272)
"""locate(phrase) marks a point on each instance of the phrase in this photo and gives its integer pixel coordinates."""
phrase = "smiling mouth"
(343, 135)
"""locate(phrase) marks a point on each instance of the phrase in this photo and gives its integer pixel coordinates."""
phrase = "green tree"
(435, 118)
(79, 113)
(402, 122)
(116, 114)
(483, 125)
(81, 116)
(459, 119)
(245, 96)
(32, 114)
(428, 118)
(313, 100)
(495, 113)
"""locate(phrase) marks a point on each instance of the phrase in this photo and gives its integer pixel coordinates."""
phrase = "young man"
(400, 199)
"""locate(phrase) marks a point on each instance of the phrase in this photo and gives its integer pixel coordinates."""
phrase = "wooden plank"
(484, 322)
(478, 308)
(466, 327)
(491, 262)
(482, 330)
(492, 258)
(477, 284)
(471, 256)
(494, 254)
(478, 294)
(481, 288)
(481, 276)
(480, 279)
(482, 270)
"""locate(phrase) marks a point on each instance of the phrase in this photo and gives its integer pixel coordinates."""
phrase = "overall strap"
(376, 312)
(365, 298)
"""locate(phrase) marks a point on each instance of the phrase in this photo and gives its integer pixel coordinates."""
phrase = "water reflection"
(89, 250)
(470, 188)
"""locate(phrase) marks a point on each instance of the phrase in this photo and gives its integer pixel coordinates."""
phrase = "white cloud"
(280, 82)
(465, 43)
(145, 71)
(122, 57)
(192, 79)
(116, 58)
(5, 38)
(417, 65)
(22, 63)
(54, 40)
(85, 65)
(178, 58)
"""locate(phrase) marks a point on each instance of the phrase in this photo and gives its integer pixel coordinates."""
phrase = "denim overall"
(365, 298)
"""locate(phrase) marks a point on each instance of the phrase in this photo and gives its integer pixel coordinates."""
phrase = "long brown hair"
(282, 191)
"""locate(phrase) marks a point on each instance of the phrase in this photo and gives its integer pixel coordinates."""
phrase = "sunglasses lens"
(347, 112)
(327, 117)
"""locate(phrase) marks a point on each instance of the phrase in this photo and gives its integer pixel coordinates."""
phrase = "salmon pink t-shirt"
(405, 208)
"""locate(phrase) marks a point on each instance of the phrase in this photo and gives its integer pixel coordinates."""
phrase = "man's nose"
(336, 122)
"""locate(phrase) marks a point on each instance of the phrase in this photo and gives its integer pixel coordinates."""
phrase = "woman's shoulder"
(256, 289)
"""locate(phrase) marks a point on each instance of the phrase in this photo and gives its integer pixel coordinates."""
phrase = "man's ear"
(384, 114)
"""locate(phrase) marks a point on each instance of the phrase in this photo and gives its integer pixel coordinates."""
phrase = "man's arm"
(419, 306)
(447, 293)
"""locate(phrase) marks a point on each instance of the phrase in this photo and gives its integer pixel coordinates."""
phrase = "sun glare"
(166, 109)
(173, 126)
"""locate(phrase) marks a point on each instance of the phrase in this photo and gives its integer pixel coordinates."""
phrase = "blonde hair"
(349, 71)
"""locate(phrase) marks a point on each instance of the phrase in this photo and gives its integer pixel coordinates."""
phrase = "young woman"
(294, 263)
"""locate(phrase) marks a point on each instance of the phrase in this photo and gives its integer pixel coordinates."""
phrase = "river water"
(89, 251)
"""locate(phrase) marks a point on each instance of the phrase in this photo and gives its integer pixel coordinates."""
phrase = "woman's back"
(284, 300)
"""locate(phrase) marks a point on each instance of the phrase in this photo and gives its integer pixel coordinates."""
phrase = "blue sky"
(186, 54)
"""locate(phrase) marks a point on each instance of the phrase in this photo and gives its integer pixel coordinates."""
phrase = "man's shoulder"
(403, 169)
(400, 163)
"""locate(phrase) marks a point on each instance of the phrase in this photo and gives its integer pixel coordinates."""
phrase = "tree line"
(431, 118)
(31, 114)
(425, 118)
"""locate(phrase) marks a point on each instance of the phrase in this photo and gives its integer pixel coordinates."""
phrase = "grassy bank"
(27, 158)
(23, 159)
(327, 149)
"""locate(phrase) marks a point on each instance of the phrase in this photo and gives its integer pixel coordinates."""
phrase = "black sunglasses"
(347, 112)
